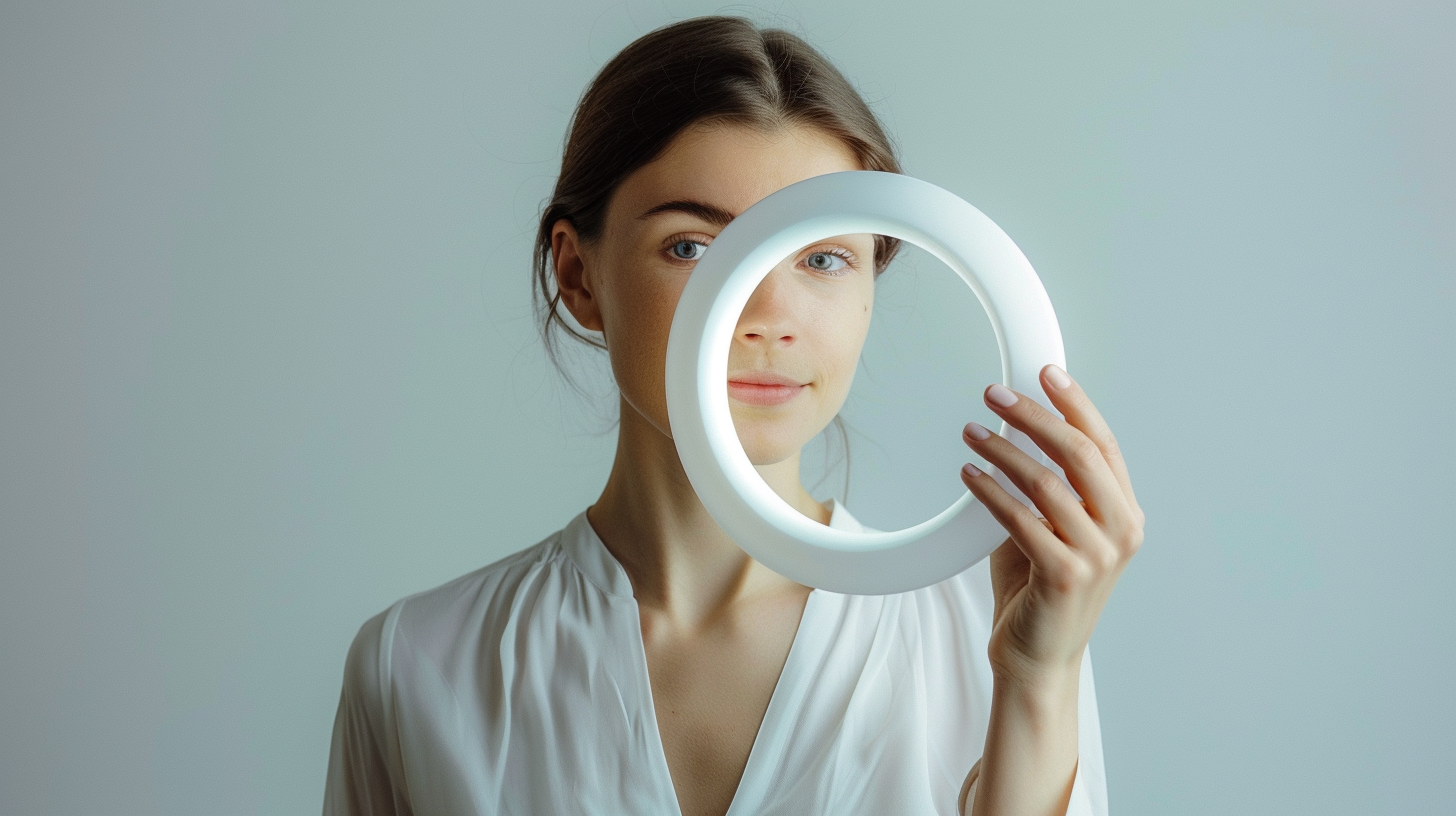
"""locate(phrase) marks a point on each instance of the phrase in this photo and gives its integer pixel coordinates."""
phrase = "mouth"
(764, 389)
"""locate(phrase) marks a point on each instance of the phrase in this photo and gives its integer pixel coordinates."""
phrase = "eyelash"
(849, 257)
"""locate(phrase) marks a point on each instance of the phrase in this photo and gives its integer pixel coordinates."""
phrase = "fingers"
(1079, 456)
(1038, 482)
(1072, 401)
(1037, 541)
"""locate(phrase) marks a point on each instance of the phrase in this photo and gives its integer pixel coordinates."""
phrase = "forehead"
(729, 167)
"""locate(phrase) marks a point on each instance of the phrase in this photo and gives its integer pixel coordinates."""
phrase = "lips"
(763, 388)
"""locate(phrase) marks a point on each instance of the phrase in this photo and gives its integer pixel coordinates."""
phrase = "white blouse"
(522, 688)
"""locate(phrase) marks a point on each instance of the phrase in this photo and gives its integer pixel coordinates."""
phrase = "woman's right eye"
(683, 250)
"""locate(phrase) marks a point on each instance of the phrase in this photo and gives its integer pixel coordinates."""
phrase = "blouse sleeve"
(359, 781)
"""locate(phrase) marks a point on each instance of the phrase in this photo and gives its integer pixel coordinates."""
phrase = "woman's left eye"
(823, 261)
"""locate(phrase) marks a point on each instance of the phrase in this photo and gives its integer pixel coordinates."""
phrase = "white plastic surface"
(723, 279)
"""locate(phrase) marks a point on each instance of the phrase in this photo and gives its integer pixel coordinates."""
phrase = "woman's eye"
(825, 262)
(685, 246)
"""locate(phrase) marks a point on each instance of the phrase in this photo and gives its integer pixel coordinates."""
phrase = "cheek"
(637, 332)
(844, 363)
(853, 328)
(840, 348)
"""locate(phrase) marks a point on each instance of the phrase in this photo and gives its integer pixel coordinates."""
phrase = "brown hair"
(704, 70)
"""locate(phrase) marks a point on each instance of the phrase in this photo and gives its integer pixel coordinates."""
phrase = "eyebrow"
(699, 209)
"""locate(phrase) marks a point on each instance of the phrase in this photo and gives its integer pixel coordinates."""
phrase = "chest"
(711, 688)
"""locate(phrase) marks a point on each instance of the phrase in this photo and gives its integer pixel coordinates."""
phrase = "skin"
(717, 625)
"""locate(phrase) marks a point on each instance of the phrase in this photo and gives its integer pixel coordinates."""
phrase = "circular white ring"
(703, 326)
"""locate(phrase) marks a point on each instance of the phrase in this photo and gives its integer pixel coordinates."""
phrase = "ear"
(573, 277)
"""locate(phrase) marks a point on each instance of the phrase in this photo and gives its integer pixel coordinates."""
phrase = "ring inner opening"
(928, 352)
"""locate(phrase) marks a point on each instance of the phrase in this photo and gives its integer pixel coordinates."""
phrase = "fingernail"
(1057, 377)
(977, 431)
(971, 470)
(1001, 395)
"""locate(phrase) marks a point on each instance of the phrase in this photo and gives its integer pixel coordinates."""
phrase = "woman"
(637, 661)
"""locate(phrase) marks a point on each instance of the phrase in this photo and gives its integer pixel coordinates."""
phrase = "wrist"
(1042, 693)
(1050, 666)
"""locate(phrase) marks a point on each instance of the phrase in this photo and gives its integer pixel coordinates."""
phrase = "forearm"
(1030, 757)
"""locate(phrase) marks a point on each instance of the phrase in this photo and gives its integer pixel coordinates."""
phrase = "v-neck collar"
(794, 685)
(586, 550)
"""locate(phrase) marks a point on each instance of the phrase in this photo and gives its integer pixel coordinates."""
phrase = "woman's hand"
(1052, 578)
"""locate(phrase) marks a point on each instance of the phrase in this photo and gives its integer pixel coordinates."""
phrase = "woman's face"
(805, 323)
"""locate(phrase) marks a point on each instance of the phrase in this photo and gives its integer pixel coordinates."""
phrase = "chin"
(770, 450)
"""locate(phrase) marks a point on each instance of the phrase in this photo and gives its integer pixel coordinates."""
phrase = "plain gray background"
(267, 363)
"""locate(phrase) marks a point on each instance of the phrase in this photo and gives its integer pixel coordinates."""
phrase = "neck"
(680, 562)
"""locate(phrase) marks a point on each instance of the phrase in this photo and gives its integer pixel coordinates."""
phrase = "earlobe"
(573, 277)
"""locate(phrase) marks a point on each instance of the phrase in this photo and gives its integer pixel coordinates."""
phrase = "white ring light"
(723, 279)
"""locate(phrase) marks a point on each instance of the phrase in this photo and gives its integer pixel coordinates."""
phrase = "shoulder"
(458, 611)
(483, 599)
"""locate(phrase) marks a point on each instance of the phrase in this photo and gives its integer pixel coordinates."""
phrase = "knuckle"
(1113, 455)
(1045, 484)
(1078, 573)
(1029, 413)
(1131, 541)
(1109, 444)
(1085, 452)
(1106, 559)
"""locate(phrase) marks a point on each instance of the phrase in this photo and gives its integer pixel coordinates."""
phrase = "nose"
(768, 317)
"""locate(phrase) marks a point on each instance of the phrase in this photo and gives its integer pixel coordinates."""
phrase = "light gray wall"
(267, 363)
